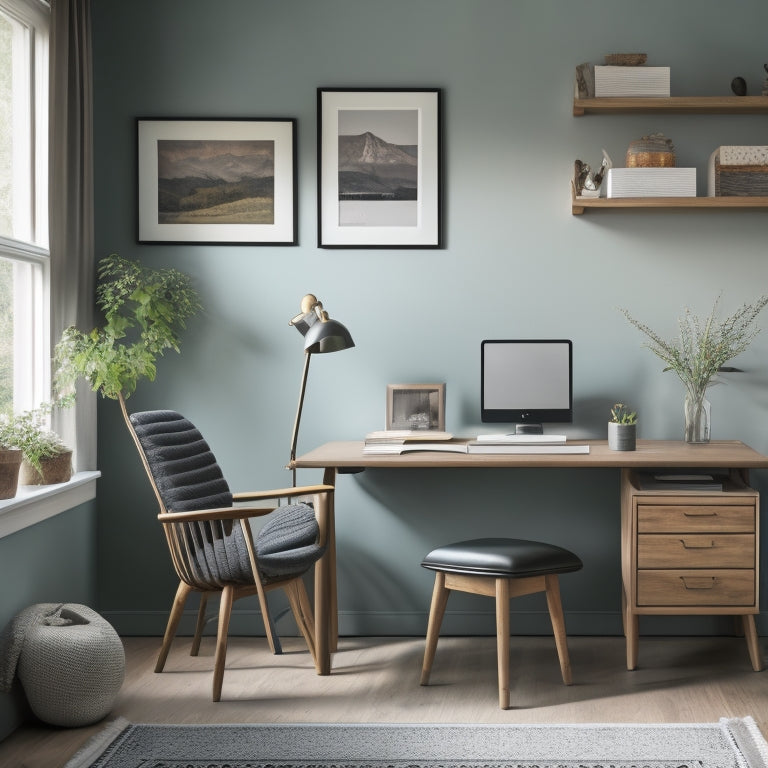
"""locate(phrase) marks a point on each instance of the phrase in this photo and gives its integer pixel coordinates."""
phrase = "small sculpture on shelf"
(739, 86)
(652, 151)
(587, 183)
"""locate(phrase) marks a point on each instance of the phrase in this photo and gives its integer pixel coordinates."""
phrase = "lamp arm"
(295, 435)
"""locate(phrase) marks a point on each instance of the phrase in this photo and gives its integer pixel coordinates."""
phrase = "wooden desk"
(730, 455)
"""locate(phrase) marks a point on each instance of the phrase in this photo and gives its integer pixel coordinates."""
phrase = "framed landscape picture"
(415, 407)
(217, 181)
(379, 168)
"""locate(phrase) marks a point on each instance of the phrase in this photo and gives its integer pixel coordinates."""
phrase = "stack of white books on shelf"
(631, 81)
(651, 182)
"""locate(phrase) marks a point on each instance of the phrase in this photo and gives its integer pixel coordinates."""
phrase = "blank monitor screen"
(526, 381)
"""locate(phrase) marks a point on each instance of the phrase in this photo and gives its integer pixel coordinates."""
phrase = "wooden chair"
(211, 544)
(500, 568)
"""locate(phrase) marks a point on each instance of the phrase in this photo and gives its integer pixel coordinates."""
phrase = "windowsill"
(34, 503)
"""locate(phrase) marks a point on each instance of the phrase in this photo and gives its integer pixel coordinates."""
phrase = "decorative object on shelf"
(622, 428)
(651, 182)
(379, 168)
(652, 151)
(738, 171)
(765, 82)
(585, 81)
(415, 407)
(218, 181)
(699, 353)
(631, 81)
(321, 334)
(585, 182)
(739, 86)
(626, 59)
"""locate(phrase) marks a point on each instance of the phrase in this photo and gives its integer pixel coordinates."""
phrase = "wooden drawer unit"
(690, 552)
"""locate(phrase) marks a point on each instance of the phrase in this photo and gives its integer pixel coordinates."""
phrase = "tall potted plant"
(699, 352)
(144, 310)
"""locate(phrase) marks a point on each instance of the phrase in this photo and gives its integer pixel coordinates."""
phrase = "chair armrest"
(218, 513)
(305, 490)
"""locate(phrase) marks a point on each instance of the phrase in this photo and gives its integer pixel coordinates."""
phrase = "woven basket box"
(738, 172)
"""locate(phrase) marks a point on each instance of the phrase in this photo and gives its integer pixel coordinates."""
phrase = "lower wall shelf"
(580, 204)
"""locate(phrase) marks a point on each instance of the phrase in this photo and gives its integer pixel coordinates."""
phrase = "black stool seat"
(510, 558)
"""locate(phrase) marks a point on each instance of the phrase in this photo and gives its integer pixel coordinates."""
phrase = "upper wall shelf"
(691, 105)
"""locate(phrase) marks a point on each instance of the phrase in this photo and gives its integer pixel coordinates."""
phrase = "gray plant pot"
(622, 437)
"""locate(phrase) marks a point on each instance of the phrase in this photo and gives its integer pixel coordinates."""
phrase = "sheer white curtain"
(71, 203)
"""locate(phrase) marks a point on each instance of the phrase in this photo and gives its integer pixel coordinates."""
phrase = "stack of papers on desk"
(522, 439)
(678, 482)
(472, 446)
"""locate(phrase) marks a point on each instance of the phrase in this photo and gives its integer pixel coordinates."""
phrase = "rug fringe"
(750, 746)
(97, 744)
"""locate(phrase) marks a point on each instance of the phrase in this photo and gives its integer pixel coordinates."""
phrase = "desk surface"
(649, 453)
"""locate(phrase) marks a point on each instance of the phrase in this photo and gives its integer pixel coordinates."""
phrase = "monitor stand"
(529, 429)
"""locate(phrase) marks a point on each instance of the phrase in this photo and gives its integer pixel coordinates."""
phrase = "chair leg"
(436, 611)
(269, 624)
(558, 625)
(502, 639)
(225, 611)
(302, 612)
(182, 593)
(200, 624)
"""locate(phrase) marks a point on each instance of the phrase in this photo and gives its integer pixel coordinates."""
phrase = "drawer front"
(663, 518)
(688, 588)
(696, 550)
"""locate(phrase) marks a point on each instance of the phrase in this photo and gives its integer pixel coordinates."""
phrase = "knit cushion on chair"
(188, 478)
(502, 558)
(286, 544)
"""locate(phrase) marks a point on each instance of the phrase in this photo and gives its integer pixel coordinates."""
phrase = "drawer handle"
(700, 514)
(699, 582)
(694, 545)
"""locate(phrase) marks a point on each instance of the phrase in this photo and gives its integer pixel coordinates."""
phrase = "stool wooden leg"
(558, 625)
(502, 639)
(439, 599)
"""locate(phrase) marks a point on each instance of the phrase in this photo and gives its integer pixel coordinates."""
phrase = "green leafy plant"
(144, 313)
(620, 414)
(703, 346)
(28, 432)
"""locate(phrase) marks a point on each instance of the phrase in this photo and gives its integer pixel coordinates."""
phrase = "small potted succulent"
(622, 428)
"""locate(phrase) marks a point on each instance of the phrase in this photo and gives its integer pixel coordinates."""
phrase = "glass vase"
(697, 418)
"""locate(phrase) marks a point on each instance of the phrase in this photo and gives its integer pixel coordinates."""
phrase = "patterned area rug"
(730, 743)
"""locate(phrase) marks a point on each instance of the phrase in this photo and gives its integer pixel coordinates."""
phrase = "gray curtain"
(71, 204)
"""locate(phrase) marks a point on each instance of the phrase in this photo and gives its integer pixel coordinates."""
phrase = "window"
(24, 257)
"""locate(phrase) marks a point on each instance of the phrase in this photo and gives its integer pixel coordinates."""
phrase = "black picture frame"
(222, 180)
(380, 168)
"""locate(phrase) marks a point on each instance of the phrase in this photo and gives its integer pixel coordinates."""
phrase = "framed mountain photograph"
(217, 181)
(379, 168)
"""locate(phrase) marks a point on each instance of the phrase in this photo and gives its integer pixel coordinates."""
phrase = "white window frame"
(28, 248)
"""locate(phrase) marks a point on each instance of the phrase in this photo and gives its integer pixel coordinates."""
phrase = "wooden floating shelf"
(712, 105)
(581, 204)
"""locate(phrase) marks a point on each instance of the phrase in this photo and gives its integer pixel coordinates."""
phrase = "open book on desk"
(472, 446)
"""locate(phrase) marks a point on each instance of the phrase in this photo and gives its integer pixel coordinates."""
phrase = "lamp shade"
(327, 336)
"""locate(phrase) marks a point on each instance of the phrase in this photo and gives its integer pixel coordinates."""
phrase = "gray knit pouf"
(71, 665)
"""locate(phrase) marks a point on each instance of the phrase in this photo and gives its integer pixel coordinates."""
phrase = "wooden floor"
(377, 680)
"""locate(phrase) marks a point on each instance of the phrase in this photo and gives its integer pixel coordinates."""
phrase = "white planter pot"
(622, 437)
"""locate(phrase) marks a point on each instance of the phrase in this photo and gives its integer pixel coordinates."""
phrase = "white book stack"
(651, 182)
(631, 81)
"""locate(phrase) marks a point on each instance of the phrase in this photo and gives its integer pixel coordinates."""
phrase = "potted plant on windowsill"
(144, 313)
(45, 459)
(622, 428)
(10, 462)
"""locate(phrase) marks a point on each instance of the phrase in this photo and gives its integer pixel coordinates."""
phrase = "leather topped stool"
(500, 568)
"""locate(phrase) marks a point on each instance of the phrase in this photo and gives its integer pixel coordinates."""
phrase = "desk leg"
(631, 631)
(329, 478)
(750, 632)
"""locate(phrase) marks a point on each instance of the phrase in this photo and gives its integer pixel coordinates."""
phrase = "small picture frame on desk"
(416, 406)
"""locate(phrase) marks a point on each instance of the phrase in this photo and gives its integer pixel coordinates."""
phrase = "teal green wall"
(516, 263)
(51, 561)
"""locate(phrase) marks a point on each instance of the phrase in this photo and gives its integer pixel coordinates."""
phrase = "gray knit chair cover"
(188, 478)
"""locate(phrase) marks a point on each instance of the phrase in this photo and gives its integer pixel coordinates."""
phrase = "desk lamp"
(321, 334)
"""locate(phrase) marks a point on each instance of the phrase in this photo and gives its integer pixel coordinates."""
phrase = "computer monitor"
(526, 382)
